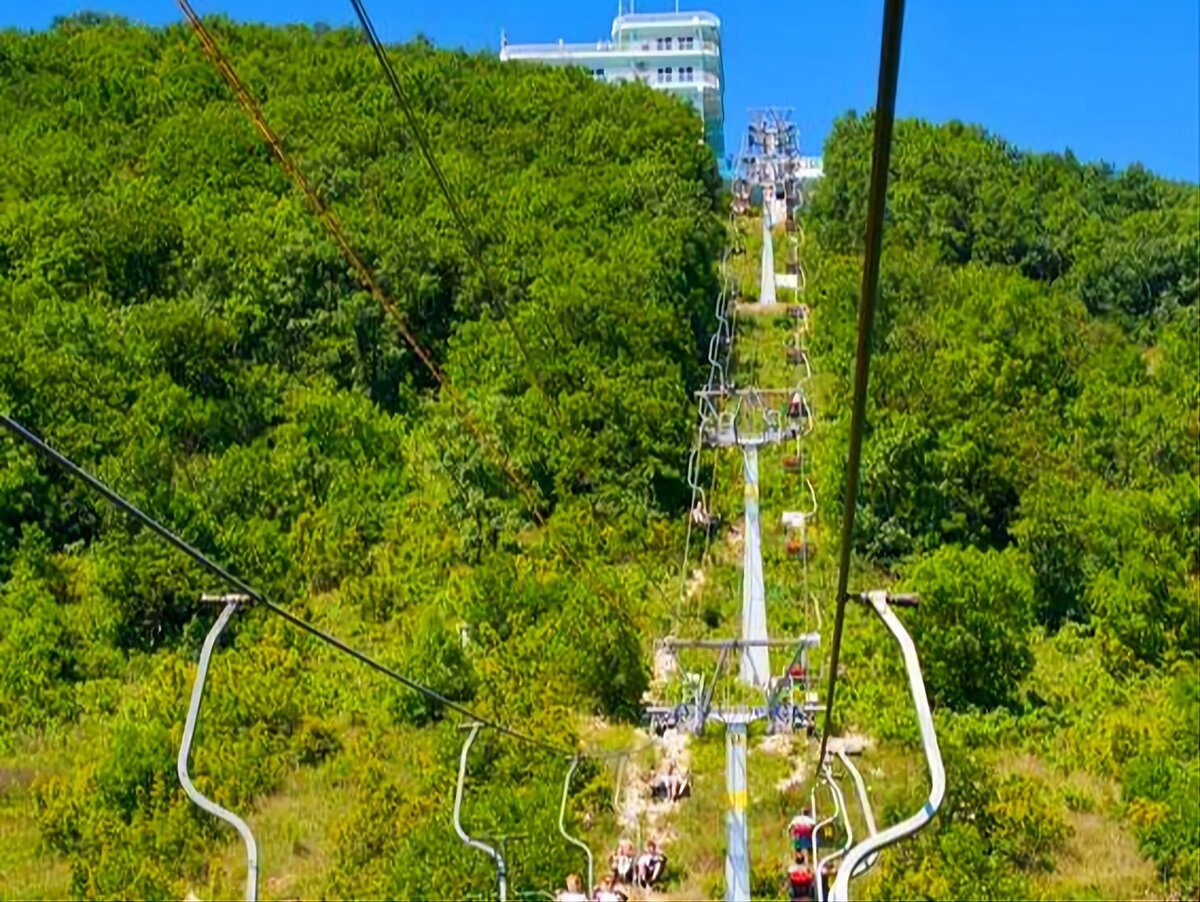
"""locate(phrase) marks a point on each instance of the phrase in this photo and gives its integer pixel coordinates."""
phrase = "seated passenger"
(660, 786)
(801, 831)
(623, 861)
(572, 893)
(828, 875)
(650, 866)
(800, 881)
(699, 514)
(608, 892)
(678, 784)
(796, 406)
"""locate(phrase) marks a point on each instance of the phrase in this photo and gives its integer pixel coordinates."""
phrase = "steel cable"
(471, 238)
(123, 504)
(885, 115)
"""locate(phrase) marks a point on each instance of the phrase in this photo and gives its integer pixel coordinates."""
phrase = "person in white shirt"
(623, 861)
(608, 892)
(650, 865)
(572, 893)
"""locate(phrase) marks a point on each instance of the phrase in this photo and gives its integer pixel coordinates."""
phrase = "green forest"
(174, 318)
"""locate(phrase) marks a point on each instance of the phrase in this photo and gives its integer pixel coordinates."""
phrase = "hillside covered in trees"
(174, 318)
(1032, 468)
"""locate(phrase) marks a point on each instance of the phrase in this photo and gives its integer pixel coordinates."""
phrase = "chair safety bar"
(937, 773)
(232, 603)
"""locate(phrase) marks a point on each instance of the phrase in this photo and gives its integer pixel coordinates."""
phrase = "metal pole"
(501, 871)
(933, 755)
(185, 748)
(885, 112)
(737, 855)
(766, 293)
(756, 662)
(562, 828)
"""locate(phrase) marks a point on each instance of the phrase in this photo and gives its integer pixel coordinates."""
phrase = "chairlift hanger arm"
(562, 824)
(864, 802)
(501, 871)
(933, 755)
(232, 603)
(844, 813)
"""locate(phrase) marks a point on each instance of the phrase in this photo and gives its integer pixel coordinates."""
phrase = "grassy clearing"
(28, 869)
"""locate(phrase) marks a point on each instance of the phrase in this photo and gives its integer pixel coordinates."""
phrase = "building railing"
(698, 79)
(651, 46)
(540, 51)
(563, 50)
(635, 20)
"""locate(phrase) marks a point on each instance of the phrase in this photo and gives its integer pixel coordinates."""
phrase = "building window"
(687, 43)
(686, 73)
(598, 74)
(664, 75)
(662, 44)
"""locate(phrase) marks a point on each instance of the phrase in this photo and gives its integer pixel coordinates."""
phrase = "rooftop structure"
(679, 52)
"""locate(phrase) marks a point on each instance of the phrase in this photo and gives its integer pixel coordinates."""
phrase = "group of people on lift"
(645, 870)
(801, 873)
(626, 868)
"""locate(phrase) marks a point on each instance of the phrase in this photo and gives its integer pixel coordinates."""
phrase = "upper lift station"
(678, 52)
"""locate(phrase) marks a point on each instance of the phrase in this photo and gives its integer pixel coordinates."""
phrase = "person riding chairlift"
(650, 866)
(828, 874)
(572, 893)
(801, 831)
(700, 515)
(671, 786)
(624, 861)
(608, 892)
(796, 406)
(800, 880)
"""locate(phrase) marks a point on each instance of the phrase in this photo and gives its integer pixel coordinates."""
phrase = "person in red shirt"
(800, 880)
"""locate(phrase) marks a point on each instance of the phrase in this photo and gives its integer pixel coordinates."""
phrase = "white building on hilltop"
(678, 52)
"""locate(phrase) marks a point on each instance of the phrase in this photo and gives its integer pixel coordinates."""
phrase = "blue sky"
(1117, 80)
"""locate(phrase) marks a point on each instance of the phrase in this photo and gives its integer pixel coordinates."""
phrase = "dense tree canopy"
(1032, 464)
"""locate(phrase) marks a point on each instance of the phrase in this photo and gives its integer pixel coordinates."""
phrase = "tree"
(973, 626)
